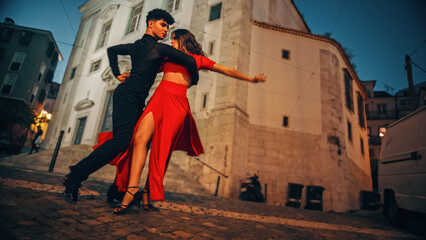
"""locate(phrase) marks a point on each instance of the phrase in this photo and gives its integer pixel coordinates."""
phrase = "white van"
(402, 167)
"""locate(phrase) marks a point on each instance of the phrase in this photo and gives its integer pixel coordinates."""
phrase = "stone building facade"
(28, 60)
(304, 125)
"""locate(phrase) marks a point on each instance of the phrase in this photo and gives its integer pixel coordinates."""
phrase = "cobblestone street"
(32, 207)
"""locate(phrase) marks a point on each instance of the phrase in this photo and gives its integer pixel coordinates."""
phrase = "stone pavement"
(32, 207)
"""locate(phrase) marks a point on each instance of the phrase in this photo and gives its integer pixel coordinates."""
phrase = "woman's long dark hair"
(187, 40)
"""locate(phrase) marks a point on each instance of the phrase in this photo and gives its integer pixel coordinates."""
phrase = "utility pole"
(410, 81)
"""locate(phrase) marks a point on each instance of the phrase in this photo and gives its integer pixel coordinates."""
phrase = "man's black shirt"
(147, 56)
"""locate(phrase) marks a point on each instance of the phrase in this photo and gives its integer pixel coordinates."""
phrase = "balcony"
(374, 115)
(375, 140)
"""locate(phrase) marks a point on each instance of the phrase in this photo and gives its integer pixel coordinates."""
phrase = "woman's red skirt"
(175, 129)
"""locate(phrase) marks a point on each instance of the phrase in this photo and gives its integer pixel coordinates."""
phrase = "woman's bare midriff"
(177, 77)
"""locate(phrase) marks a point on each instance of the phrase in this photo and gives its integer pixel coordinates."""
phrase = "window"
(41, 71)
(104, 34)
(25, 38)
(95, 66)
(54, 60)
(17, 60)
(8, 83)
(361, 111)
(173, 5)
(49, 77)
(285, 121)
(211, 47)
(73, 72)
(381, 108)
(6, 34)
(34, 93)
(349, 131)
(215, 12)
(135, 18)
(50, 49)
(42, 96)
(348, 90)
(107, 124)
(285, 54)
(362, 146)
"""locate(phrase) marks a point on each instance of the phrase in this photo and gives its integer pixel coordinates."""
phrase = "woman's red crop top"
(203, 63)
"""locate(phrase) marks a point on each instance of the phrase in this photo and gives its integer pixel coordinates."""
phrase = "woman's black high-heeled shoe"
(124, 209)
(147, 206)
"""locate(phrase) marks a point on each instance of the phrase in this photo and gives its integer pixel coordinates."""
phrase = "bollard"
(217, 186)
(55, 153)
(266, 191)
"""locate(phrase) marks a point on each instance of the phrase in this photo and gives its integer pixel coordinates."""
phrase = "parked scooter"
(251, 191)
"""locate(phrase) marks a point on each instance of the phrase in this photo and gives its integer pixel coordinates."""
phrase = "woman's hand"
(123, 76)
(259, 78)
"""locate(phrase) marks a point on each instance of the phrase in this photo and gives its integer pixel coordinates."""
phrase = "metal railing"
(374, 115)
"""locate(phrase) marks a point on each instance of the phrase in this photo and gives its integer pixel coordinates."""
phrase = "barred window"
(41, 71)
(26, 38)
(17, 60)
(135, 18)
(215, 12)
(104, 34)
(173, 5)
(8, 83)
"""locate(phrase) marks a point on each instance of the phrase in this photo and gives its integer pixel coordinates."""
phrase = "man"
(36, 140)
(129, 97)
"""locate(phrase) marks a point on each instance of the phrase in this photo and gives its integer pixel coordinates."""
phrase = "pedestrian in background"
(36, 140)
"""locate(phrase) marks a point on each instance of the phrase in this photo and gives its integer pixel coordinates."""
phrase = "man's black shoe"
(71, 190)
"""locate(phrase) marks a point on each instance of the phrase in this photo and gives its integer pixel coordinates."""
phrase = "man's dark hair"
(158, 14)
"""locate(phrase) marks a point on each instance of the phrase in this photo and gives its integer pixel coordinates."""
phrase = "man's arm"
(113, 52)
(180, 57)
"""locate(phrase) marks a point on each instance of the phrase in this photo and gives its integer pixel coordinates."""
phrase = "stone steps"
(175, 180)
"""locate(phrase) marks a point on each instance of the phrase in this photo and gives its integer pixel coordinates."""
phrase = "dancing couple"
(166, 122)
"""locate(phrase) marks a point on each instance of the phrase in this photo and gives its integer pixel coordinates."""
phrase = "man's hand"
(123, 76)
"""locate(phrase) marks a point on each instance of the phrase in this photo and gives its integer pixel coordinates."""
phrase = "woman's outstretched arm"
(231, 72)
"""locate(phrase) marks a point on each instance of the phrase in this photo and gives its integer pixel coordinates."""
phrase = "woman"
(168, 124)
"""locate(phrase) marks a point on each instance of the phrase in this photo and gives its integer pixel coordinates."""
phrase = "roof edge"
(320, 38)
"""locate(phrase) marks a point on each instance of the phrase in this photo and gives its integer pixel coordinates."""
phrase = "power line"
(316, 65)
(66, 14)
(424, 41)
(418, 66)
(338, 16)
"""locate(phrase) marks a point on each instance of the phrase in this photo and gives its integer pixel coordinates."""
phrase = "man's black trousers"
(127, 109)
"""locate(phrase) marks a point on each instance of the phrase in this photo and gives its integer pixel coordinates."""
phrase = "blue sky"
(379, 33)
